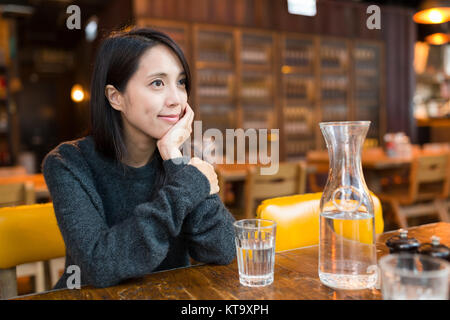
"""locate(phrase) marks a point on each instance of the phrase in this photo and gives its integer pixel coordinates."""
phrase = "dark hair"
(117, 60)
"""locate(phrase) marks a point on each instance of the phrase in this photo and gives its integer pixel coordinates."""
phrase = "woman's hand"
(208, 171)
(169, 145)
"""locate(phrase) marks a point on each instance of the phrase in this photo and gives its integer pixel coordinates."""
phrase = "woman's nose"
(174, 96)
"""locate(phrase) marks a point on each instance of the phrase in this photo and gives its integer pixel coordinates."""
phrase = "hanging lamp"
(433, 11)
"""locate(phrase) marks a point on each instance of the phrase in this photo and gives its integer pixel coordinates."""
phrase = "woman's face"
(155, 96)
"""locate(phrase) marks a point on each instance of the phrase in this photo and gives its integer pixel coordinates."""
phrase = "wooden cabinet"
(367, 91)
(256, 82)
(8, 121)
(5, 120)
(298, 94)
(178, 31)
(335, 88)
(258, 79)
(214, 77)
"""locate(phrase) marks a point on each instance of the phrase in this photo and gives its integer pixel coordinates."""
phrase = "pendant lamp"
(431, 12)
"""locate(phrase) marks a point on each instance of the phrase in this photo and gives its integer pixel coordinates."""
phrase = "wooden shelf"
(294, 65)
(293, 70)
(433, 122)
(213, 65)
(256, 67)
(214, 100)
(299, 102)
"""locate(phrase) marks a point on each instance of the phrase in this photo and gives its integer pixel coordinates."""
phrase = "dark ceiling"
(46, 26)
(402, 3)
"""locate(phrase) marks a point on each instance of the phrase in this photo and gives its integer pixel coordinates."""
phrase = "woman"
(125, 203)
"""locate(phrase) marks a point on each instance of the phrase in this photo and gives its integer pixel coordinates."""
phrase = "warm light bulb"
(437, 38)
(435, 16)
(77, 93)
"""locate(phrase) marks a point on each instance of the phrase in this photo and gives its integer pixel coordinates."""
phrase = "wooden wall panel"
(399, 35)
(239, 12)
(334, 18)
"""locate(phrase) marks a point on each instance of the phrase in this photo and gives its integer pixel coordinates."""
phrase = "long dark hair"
(117, 60)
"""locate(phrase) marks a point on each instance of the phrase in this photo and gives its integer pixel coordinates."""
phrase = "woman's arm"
(209, 232)
(107, 255)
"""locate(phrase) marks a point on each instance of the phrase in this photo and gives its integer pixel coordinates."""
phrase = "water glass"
(255, 247)
(414, 277)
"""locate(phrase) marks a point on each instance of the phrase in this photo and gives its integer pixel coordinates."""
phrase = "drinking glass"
(255, 247)
(414, 277)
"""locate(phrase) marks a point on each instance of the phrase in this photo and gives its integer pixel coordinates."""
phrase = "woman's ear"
(114, 97)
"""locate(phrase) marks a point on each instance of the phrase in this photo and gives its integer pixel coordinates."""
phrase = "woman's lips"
(171, 119)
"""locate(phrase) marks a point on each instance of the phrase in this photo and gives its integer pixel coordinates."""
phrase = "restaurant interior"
(284, 66)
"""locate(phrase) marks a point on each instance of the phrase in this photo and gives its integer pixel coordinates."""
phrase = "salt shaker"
(435, 249)
(402, 243)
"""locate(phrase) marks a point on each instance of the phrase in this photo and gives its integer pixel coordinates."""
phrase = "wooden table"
(375, 162)
(295, 278)
(371, 158)
(40, 187)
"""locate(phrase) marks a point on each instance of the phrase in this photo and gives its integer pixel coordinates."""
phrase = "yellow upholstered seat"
(28, 233)
(297, 220)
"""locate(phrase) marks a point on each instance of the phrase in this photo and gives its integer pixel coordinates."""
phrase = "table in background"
(375, 162)
(296, 277)
(40, 187)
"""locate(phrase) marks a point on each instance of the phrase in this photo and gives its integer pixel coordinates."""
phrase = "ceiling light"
(432, 12)
(91, 29)
(302, 7)
(437, 38)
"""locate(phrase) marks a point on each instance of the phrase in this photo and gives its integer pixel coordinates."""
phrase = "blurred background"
(255, 65)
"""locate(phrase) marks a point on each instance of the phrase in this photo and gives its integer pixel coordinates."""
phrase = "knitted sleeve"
(135, 247)
(209, 232)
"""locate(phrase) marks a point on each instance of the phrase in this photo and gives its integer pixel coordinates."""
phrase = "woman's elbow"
(102, 281)
(227, 255)
(228, 258)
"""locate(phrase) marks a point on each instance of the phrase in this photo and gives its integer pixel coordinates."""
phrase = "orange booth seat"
(297, 219)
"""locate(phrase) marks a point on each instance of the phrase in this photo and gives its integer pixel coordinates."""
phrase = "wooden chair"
(13, 194)
(28, 234)
(319, 172)
(289, 180)
(297, 219)
(428, 187)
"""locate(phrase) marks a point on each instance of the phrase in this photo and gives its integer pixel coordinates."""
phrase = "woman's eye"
(182, 82)
(157, 83)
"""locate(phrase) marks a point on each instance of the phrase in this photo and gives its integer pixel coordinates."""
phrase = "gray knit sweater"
(115, 226)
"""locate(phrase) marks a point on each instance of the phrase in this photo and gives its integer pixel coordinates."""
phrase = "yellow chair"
(297, 219)
(28, 233)
(15, 192)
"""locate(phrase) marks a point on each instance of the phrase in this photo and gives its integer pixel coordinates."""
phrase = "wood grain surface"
(295, 278)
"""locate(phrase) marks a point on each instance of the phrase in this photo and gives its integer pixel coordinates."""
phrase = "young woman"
(125, 203)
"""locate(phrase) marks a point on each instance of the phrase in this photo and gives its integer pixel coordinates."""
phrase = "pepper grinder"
(435, 249)
(402, 243)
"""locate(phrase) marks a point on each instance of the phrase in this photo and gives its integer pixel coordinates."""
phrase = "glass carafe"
(347, 251)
